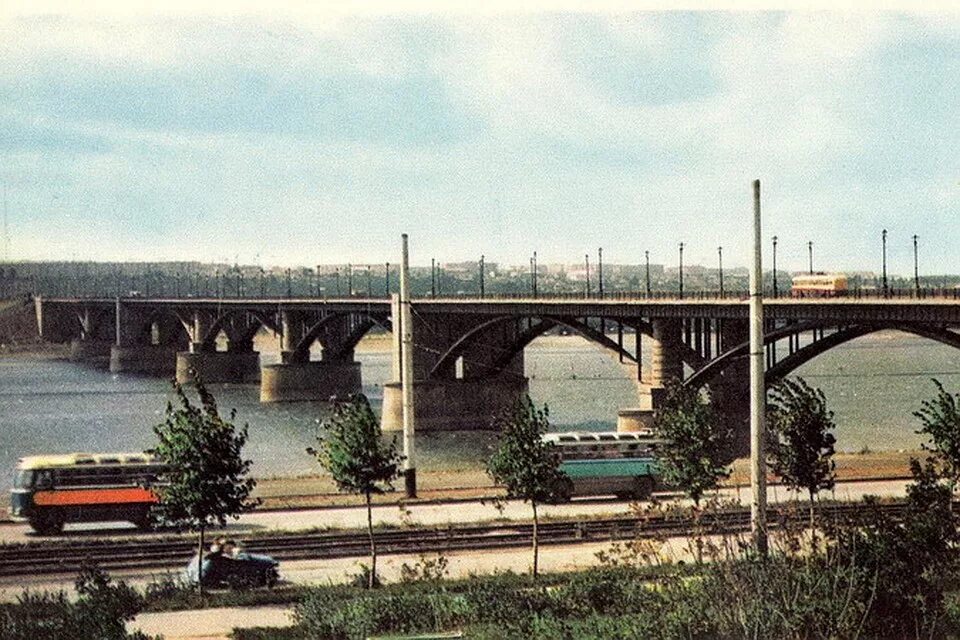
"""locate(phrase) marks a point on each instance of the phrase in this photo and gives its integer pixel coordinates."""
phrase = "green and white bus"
(604, 463)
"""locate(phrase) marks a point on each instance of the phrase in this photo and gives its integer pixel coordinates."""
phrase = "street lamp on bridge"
(481, 277)
(916, 265)
(600, 275)
(883, 236)
(810, 254)
(720, 263)
(776, 292)
(586, 262)
(386, 278)
(681, 269)
(646, 255)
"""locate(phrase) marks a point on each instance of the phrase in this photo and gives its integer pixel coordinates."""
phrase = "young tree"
(801, 442)
(941, 423)
(525, 465)
(693, 456)
(354, 453)
(207, 481)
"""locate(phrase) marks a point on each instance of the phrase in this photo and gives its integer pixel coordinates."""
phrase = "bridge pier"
(96, 352)
(145, 342)
(316, 380)
(152, 359)
(730, 391)
(237, 366)
(454, 405)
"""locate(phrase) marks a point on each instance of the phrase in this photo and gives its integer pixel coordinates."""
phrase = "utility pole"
(646, 254)
(883, 236)
(481, 277)
(758, 467)
(810, 254)
(681, 270)
(916, 265)
(776, 292)
(406, 368)
(720, 261)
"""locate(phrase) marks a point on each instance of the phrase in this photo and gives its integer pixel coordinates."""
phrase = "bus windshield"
(23, 479)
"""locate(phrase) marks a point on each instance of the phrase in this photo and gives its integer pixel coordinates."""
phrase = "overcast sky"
(302, 138)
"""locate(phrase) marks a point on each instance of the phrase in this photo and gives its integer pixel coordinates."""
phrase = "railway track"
(63, 557)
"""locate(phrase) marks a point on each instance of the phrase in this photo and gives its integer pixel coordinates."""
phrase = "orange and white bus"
(49, 491)
(819, 285)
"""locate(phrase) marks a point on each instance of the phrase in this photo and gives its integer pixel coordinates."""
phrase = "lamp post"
(433, 277)
(481, 277)
(535, 274)
(289, 285)
(646, 255)
(349, 280)
(916, 265)
(681, 270)
(386, 278)
(720, 263)
(600, 271)
(883, 237)
(586, 262)
(369, 283)
(810, 255)
(336, 273)
(776, 291)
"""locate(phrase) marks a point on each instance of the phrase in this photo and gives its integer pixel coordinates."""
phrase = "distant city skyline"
(304, 138)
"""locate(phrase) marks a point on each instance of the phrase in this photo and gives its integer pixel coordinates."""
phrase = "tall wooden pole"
(758, 476)
(406, 380)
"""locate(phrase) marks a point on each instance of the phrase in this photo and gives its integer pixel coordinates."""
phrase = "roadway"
(439, 514)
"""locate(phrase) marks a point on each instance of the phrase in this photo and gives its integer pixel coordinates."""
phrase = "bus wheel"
(643, 487)
(144, 522)
(49, 525)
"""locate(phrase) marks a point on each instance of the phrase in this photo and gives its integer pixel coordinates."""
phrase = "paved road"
(441, 513)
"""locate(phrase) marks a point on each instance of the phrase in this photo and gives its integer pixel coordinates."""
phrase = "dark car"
(239, 570)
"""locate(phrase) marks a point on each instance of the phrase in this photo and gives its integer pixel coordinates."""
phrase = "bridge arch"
(302, 348)
(547, 322)
(816, 348)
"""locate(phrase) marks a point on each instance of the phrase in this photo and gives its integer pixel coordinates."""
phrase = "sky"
(300, 137)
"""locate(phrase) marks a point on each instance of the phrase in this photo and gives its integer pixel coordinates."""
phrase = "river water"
(873, 384)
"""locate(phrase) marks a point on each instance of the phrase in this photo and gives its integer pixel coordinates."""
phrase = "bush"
(100, 611)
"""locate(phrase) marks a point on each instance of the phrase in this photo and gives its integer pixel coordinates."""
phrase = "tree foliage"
(524, 464)
(941, 423)
(527, 466)
(801, 443)
(207, 481)
(351, 448)
(693, 456)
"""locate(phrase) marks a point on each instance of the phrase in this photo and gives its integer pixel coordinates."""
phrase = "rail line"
(62, 557)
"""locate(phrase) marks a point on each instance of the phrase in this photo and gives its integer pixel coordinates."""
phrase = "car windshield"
(23, 479)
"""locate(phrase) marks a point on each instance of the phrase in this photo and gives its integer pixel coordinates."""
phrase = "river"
(873, 384)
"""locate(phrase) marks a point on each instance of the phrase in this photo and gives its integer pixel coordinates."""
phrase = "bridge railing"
(858, 293)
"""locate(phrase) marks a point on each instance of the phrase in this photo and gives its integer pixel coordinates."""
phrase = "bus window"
(44, 479)
(23, 479)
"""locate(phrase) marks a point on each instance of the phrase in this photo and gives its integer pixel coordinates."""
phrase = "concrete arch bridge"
(469, 353)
